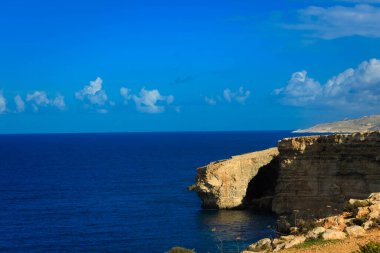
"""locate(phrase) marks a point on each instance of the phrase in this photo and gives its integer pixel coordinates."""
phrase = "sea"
(121, 192)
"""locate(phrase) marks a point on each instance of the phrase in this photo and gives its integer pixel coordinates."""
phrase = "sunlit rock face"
(223, 184)
(313, 175)
(320, 173)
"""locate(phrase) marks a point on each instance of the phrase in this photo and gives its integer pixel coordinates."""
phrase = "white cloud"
(148, 101)
(340, 21)
(40, 99)
(93, 93)
(359, 1)
(210, 101)
(3, 103)
(102, 111)
(59, 102)
(20, 104)
(300, 89)
(239, 96)
(126, 94)
(353, 88)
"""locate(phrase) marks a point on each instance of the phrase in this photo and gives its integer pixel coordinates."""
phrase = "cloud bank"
(20, 104)
(3, 103)
(40, 99)
(357, 88)
(340, 21)
(151, 101)
(240, 96)
(93, 93)
(210, 101)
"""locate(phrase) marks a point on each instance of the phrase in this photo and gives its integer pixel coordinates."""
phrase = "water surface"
(119, 192)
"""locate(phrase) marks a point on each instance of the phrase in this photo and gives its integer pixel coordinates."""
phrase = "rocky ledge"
(315, 175)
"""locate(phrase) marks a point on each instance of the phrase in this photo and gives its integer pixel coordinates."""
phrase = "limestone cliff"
(321, 173)
(223, 184)
(316, 173)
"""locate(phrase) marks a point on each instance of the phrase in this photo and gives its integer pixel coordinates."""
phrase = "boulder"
(333, 234)
(287, 237)
(261, 245)
(374, 215)
(354, 231)
(375, 207)
(295, 241)
(337, 222)
(362, 212)
(374, 197)
(279, 247)
(294, 230)
(315, 233)
(367, 225)
(362, 202)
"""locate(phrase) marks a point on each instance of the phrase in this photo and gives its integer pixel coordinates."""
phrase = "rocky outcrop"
(314, 175)
(338, 227)
(223, 184)
(320, 173)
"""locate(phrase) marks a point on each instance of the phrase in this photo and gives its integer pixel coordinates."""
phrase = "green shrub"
(371, 247)
(180, 250)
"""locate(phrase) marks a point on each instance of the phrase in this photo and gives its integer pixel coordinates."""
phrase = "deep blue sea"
(121, 192)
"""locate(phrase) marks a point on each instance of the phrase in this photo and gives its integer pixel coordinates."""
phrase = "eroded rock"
(223, 184)
(355, 231)
(333, 234)
(315, 233)
(321, 173)
(362, 212)
(295, 241)
(262, 245)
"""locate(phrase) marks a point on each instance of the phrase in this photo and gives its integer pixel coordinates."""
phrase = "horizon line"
(145, 132)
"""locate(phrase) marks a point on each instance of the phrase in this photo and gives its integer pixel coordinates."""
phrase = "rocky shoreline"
(313, 174)
(359, 217)
(310, 178)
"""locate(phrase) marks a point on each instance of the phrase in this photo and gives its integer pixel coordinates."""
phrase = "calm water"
(119, 192)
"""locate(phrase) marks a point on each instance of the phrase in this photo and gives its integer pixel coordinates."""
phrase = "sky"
(189, 65)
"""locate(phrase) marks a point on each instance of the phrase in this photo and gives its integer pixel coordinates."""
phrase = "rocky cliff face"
(317, 174)
(321, 173)
(223, 184)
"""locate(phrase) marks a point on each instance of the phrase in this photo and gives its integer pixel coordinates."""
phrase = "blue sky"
(104, 66)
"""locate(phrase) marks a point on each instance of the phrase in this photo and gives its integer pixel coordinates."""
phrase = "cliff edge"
(320, 173)
(316, 174)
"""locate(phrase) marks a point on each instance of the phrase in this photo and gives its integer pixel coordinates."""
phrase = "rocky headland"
(368, 123)
(307, 181)
(313, 174)
(224, 184)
